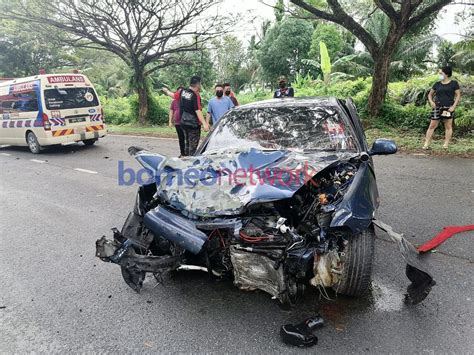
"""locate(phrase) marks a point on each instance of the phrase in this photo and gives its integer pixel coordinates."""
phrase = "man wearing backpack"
(191, 116)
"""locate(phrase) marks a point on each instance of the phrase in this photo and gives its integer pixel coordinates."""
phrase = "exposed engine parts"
(276, 247)
(279, 246)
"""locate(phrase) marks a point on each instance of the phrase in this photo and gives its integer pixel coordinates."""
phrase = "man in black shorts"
(191, 116)
(447, 95)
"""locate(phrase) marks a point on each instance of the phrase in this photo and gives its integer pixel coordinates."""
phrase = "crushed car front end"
(281, 196)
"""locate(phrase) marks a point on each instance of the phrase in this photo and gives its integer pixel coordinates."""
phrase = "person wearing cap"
(283, 90)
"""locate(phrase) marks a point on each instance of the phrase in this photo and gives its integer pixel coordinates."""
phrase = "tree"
(284, 47)
(404, 16)
(445, 53)
(146, 35)
(279, 10)
(24, 51)
(191, 63)
(331, 36)
(229, 58)
(110, 75)
(464, 55)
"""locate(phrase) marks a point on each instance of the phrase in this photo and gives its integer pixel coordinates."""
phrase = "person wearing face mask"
(218, 105)
(283, 90)
(446, 97)
(230, 94)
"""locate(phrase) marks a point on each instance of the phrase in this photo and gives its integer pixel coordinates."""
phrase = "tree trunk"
(142, 91)
(379, 83)
(142, 104)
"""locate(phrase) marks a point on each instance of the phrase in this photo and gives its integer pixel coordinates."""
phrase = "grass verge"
(407, 142)
(412, 142)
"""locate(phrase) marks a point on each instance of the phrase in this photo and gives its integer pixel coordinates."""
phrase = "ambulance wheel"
(33, 143)
(89, 141)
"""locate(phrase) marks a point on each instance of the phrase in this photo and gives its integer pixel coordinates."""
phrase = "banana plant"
(325, 62)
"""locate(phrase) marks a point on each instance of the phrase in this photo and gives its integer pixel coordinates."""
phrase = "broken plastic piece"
(301, 334)
(421, 279)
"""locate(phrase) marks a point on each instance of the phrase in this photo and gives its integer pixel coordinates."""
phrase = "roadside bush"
(157, 114)
(117, 111)
(259, 95)
(405, 106)
(408, 116)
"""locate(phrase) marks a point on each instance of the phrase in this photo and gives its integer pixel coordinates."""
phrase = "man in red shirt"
(191, 116)
(175, 119)
(229, 93)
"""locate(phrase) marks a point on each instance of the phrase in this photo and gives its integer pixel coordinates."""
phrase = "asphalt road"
(55, 296)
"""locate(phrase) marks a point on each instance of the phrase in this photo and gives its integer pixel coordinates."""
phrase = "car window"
(19, 102)
(291, 128)
(66, 98)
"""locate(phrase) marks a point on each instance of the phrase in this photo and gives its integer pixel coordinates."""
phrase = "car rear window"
(66, 98)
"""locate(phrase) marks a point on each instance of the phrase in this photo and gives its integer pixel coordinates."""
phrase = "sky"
(253, 13)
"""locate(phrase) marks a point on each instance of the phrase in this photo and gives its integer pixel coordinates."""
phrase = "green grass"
(158, 131)
(411, 142)
(406, 141)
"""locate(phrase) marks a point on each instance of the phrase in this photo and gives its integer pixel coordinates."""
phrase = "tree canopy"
(146, 35)
(284, 47)
(403, 17)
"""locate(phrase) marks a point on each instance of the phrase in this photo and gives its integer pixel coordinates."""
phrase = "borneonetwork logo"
(191, 177)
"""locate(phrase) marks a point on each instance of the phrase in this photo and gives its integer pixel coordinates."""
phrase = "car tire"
(89, 142)
(33, 143)
(357, 264)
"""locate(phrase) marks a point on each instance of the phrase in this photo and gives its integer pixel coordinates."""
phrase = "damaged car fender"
(360, 202)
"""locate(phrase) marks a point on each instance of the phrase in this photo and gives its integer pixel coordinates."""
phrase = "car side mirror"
(383, 146)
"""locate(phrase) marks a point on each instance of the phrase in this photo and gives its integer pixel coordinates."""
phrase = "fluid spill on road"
(385, 298)
(381, 298)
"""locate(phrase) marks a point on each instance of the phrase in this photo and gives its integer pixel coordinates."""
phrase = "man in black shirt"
(191, 116)
(447, 95)
(283, 90)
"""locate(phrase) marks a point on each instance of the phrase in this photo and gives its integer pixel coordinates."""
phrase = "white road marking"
(37, 161)
(6, 154)
(86, 171)
(128, 135)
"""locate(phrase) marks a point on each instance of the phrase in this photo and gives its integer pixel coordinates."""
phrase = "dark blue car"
(280, 195)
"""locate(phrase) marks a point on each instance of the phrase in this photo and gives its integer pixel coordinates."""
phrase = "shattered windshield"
(290, 128)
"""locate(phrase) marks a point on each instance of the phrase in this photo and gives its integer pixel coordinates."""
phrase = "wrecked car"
(281, 195)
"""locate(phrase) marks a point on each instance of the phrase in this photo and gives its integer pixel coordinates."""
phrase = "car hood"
(223, 183)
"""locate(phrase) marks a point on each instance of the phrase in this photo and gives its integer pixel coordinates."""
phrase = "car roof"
(293, 101)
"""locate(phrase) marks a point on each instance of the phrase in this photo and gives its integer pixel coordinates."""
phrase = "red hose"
(445, 234)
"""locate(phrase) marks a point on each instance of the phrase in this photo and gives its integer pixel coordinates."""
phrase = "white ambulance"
(50, 109)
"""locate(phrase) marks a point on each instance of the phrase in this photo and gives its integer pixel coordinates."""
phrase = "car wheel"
(33, 143)
(357, 264)
(89, 141)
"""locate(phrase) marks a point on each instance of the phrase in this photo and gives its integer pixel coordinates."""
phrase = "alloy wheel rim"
(32, 142)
